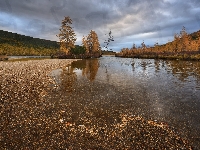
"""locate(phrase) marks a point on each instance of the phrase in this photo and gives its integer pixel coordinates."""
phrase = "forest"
(16, 44)
(184, 46)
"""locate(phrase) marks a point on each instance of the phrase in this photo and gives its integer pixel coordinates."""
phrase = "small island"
(68, 50)
(108, 52)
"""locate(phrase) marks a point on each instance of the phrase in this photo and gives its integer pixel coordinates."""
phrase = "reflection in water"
(68, 78)
(89, 67)
(184, 69)
(157, 65)
(161, 90)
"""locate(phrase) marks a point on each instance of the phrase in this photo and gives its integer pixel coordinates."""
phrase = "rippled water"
(160, 90)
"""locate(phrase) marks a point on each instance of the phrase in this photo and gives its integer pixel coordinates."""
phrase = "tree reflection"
(68, 78)
(91, 69)
(144, 65)
(157, 65)
(184, 69)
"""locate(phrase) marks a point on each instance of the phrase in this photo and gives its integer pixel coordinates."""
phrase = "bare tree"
(110, 38)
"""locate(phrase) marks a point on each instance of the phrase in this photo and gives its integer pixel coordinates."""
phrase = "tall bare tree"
(110, 38)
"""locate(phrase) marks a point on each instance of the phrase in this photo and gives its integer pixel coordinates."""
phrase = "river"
(159, 90)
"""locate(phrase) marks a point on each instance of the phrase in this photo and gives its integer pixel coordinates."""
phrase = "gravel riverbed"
(34, 114)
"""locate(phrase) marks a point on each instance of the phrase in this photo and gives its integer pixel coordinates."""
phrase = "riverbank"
(3, 57)
(79, 56)
(192, 56)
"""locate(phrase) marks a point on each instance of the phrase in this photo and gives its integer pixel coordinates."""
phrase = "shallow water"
(162, 90)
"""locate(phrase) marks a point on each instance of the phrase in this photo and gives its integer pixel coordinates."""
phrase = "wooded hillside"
(16, 44)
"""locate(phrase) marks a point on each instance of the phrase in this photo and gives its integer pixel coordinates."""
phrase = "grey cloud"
(35, 26)
(126, 19)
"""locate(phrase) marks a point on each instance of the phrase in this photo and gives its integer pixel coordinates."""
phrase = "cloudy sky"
(131, 21)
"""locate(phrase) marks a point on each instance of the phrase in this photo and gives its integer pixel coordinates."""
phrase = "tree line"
(184, 46)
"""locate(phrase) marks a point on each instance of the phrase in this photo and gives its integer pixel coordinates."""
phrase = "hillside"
(16, 44)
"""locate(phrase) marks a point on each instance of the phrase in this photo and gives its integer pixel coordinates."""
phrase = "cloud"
(131, 21)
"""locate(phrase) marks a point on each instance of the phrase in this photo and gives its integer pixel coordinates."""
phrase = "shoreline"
(165, 57)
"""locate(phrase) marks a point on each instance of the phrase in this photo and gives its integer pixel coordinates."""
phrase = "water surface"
(163, 90)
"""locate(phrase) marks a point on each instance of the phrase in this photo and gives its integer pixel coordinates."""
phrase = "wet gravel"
(38, 113)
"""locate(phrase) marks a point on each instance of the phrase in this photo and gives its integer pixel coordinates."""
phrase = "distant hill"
(8, 37)
(17, 44)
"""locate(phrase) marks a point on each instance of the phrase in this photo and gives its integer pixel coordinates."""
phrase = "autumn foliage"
(184, 46)
(90, 43)
(13, 44)
(67, 35)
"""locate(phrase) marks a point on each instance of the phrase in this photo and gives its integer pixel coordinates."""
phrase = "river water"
(162, 90)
